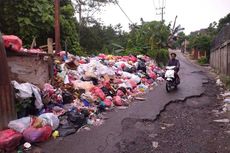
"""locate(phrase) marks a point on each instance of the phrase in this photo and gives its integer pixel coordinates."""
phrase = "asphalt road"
(104, 139)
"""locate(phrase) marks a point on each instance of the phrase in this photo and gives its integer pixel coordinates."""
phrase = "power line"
(161, 8)
(154, 5)
(124, 12)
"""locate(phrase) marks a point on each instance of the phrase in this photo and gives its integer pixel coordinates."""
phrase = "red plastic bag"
(133, 83)
(108, 102)
(98, 92)
(37, 134)
(9, 139)
(152, 75)
(117, 101)
(120, 93)
(133, 59)
(12, 42)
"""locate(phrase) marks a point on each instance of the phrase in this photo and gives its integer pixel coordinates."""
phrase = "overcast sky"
(192, 14)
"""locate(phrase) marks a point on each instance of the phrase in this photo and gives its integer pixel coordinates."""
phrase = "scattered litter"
(27, 146)
(122, 107)
(152, 135)
(227, 100)
(222, 121)
(225, 95)
(55, 134)
(87, 128)
(168, 125)
(163, 128)
(155, 144)
(140, 98)
(219, 82)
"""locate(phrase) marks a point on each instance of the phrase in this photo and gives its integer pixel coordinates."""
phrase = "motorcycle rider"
(175, 62)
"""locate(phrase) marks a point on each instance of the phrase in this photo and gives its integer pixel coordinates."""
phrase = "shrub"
(161, 56)
(203, 60)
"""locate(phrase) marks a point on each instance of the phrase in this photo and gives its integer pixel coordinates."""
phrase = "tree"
(223, 22)
(29, 19)
(179, 40)
(151, 35)
(69, 25)
(87, 8)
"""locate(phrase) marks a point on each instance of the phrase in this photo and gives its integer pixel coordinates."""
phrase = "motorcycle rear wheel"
(168, 87)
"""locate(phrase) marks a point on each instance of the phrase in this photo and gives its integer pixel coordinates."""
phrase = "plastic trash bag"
(117, 101)
(86, 85)
(9, 140)
(120, 93)
(98, 92)
(108, 102)
(21, 124)
(76, 118)
(32, 134)
(26, 90)
(12, 42)
(50, 119)
(66, 130)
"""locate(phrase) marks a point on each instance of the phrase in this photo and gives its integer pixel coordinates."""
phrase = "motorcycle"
(171, 81)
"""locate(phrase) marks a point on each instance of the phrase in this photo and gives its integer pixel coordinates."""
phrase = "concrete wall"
(220, 58)
(32, 69)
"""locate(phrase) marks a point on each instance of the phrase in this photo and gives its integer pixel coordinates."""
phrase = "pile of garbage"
(82, 88)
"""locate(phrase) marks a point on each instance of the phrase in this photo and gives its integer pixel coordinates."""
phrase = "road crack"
(172, 102)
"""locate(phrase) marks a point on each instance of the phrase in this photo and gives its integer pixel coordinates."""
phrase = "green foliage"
(98, 38)
(223, 22)
(203, 60)
(200, 42)
(29, 19)
(161, 56)
(69, 33)
(152, 35)
(87, 8)
(180, 39)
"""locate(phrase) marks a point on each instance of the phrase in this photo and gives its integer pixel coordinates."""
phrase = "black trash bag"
(106, 91)
(26, 107)
(67, 97)
(77, 119)
(85, 112)
(126, 69)
(141, 66)
(94, 80)
(65, 130)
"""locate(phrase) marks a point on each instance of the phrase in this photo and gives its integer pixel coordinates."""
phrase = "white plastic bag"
(50, 119)
(25, 90)
(21, 124)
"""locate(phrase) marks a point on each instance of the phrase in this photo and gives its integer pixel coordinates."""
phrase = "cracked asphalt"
(175, 122)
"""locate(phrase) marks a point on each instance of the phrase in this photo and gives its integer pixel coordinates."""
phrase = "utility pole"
(162, 13)
(57, 26)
